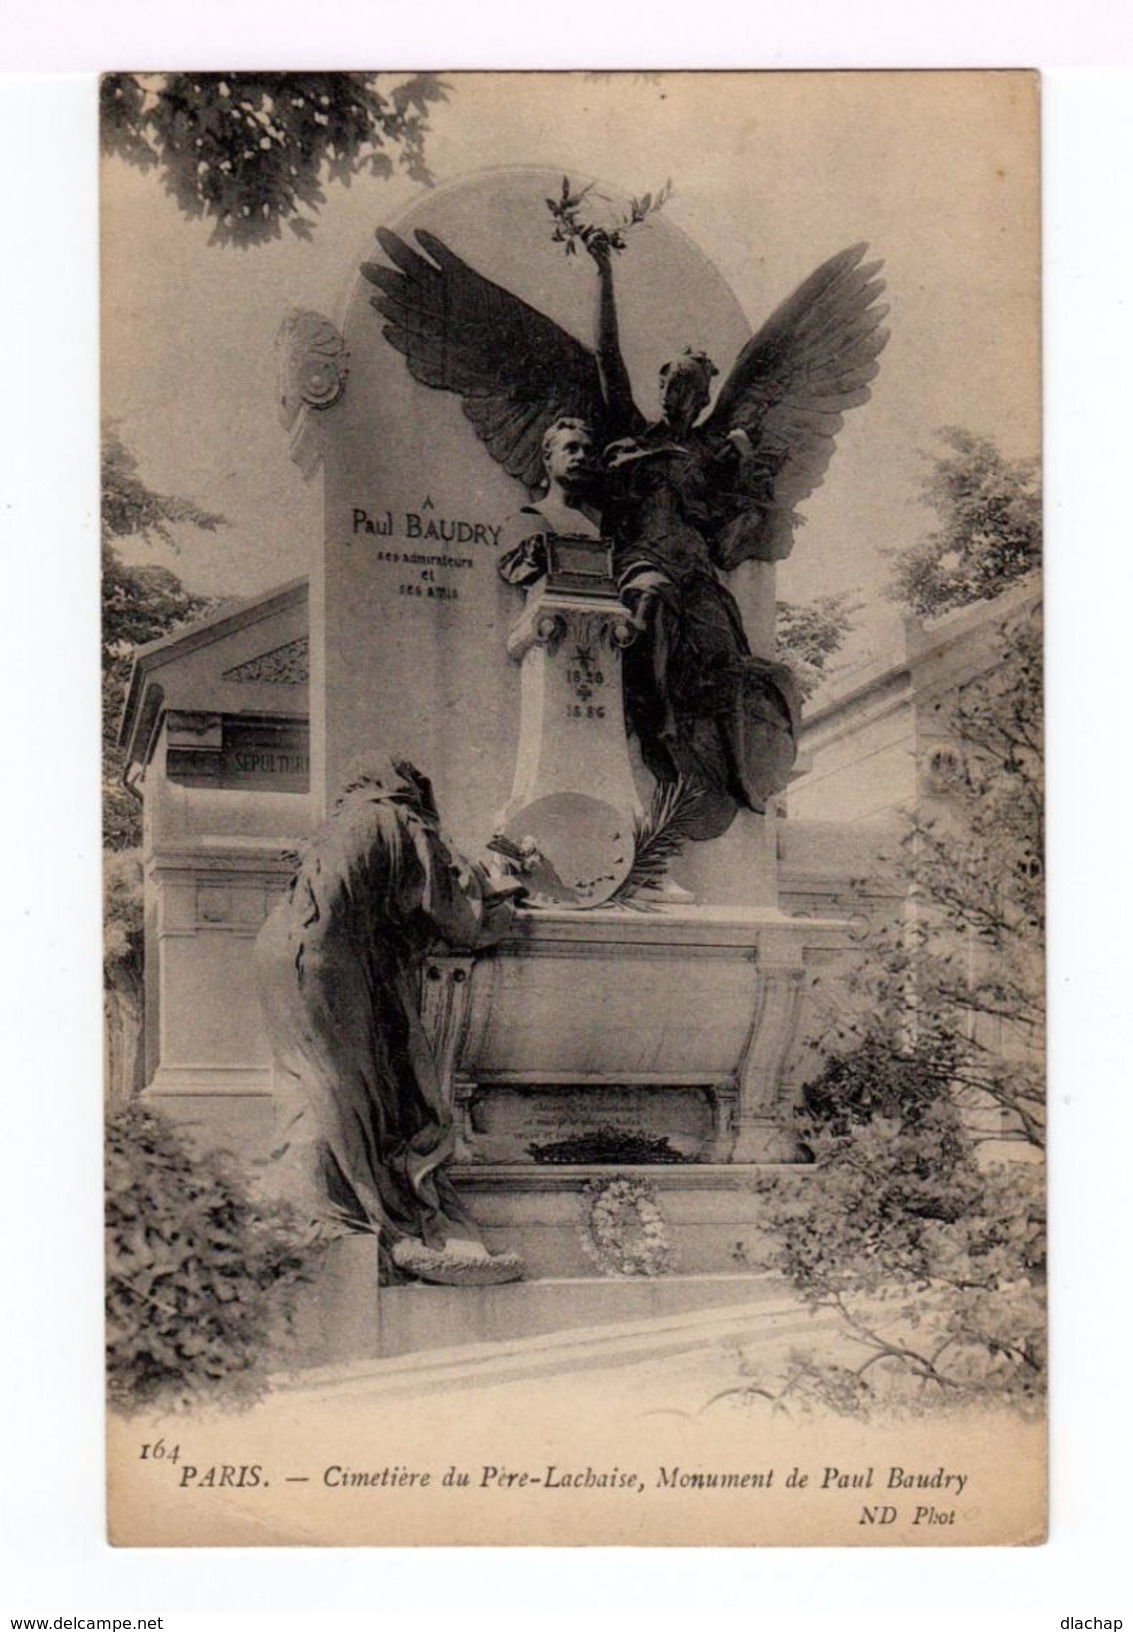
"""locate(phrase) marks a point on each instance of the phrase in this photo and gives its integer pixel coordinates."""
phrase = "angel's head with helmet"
(568, 450)
(685, 388)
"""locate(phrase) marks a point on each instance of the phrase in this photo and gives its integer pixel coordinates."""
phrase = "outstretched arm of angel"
(777, 415)
(617, 393)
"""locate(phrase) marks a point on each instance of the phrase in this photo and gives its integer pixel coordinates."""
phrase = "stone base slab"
(236, 1122)
(628, 1323)
(337, 1314)
(714, 1219)
(417, 1319)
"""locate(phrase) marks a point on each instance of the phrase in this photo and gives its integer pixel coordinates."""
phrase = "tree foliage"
(808, 634)
(932, 1264)
(122, 913)
(989, 533)
(971, 962)
(139, 604)
(251, 152)
(929, 1255)
(130, 509)
(123, 970)
(954, 989)
(200, 1276)
(877, 1081)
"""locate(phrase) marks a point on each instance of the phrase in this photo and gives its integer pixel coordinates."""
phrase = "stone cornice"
(135, 733)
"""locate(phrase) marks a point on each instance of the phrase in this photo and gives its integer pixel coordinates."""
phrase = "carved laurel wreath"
(624, 1232)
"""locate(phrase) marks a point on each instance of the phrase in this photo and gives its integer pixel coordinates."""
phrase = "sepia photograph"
(572, 809)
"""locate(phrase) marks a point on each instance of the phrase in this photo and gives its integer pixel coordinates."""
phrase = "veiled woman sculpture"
(683, 498)
(363, 1132)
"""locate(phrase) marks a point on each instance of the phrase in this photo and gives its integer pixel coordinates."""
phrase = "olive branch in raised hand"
(571, 230)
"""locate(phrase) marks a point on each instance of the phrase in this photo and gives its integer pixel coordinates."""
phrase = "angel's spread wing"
(516, 370)
(788, 391)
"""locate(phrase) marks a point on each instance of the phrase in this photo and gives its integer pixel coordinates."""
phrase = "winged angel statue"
(684, 497)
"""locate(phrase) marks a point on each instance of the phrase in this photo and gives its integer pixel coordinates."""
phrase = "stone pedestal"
(337, 1315)
(210, 1060)
(573, 796)
(676, 1029)
(572, 733)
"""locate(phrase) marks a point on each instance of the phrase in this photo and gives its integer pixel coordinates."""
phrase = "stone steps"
(535, 1329)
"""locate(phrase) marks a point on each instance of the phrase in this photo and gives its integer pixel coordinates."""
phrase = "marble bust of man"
(565, 510)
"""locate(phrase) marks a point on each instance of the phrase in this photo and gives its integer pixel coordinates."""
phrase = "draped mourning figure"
(685, 498)
(363, 1132)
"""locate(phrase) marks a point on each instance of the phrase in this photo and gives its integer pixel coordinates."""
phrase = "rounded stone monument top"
(670, 296)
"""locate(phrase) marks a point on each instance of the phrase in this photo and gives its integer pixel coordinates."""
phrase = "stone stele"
(680, 1023)
(409, 620)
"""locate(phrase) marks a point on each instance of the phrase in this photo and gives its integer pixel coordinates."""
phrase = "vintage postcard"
(573, 809)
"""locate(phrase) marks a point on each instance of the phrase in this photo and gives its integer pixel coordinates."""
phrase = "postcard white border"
(52, 1495)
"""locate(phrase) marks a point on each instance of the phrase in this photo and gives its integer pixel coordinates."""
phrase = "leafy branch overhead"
(250, 152)
(571, 230)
